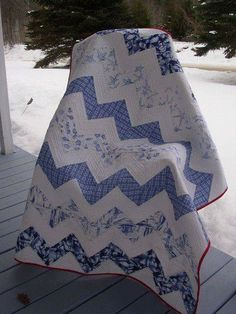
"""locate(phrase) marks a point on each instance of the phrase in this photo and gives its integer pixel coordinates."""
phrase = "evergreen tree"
(139, 12)
(177, 17)
(217, 26)
(58, 24)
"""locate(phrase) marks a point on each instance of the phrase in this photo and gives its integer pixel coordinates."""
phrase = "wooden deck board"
(15, 178)
(78, 290)
(146, 301)
(7, 260)
(229, 307)
(35, 289)
(4, 159)
(54, 291)
(15, 155)
(8, 242)
(140, 302)
(218, 289)
(18, 275)
(13, 211)
(15, 188)
(9, 226)
(17, 170)
(213, 261)
(121, 294)
(17, 162)
(14, 199)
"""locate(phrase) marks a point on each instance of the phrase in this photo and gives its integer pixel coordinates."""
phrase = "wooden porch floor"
(52, 291)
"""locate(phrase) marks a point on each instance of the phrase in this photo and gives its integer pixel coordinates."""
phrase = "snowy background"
(214, 89)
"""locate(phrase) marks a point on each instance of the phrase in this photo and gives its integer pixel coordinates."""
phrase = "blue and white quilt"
(126, 163)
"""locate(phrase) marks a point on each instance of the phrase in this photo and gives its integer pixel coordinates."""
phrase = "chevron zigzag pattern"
(94, 191)
(70, 244)
(117, 110)
(151, 131)
(125, 164)
(112, 218)
(136, 43)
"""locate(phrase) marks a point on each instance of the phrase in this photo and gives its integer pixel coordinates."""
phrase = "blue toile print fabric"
(126, 163)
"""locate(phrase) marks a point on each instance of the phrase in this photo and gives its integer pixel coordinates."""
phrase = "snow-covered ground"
(185, 51)
(215, 91)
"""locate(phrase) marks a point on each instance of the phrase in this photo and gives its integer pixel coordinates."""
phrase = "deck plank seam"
(2, 221)
(23, 282)
(16, 166)
(91, 297)
(16, 183)
(1, 198)
(33, 165)
(46, 295)
(132, 302)
(11, 175)
(28, 157)
(14, 156)
(19, 151)
(14, 204)
(9, 268)
(7, 250)
(4, 235)
(234, 293)
(219, 269)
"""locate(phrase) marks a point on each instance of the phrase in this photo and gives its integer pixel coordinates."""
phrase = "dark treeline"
(208, 22)
(175, 16)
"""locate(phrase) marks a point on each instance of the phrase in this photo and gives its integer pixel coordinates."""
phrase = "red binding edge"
(128, 276)
(159, 29)
(215, 199)
(133, 278)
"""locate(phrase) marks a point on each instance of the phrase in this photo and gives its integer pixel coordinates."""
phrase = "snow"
(216, 95)
(215, 92)
(216, 57)
(213, 32)
(45, 86)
